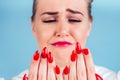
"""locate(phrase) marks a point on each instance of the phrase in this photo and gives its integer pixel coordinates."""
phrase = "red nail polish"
(50, 58)
(73, 56)
(44, 53)
(78, 48)
(85, 51)
(66, 70)
(24, 77)
(98, 77)
(36, 55)
(57, 70)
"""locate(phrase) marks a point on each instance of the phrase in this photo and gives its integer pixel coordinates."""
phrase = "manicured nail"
(85, 51)
(50, 58)
(98, 77)
(66, 70)
(25, 77)
(44, 53)
(57, 70)
(73, 56)
(78, 48)
(36, 55)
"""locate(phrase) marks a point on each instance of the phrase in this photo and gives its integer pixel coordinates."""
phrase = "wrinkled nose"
(62, 31)
(62, 34)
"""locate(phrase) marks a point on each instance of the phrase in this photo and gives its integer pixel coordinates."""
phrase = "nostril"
(58, 35)
(62, 35)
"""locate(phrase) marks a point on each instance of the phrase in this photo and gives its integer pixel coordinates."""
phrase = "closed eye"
(74, 20)
(49, 21)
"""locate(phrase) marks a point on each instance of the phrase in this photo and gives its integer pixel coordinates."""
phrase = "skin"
(69, 22)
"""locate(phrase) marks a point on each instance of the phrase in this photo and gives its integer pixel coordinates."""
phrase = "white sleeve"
(1, 78)
(107, 74)
(118, 75)
(20, 76)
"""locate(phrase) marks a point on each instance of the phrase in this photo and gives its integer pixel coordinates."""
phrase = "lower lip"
(62, 44)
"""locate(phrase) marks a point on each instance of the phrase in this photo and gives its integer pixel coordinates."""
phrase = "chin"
(62, 52)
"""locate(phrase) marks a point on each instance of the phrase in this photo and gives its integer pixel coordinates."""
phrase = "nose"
(62, 34)
(62, 30)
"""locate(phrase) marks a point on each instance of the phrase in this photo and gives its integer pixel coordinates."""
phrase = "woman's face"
(59, 24)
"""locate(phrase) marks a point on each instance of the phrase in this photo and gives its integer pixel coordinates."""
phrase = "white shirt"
(105, 73)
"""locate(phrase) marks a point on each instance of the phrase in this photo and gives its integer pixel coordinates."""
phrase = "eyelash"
(49, 21)
(70, 20)
(74, 20)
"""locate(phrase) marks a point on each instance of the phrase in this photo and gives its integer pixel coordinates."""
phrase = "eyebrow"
(68, 10)
(50, 13)
(74, 11)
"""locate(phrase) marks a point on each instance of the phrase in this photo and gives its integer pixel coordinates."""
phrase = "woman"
(61, 28)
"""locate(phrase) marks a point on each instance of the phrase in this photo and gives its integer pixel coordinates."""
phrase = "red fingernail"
(24, 77)
(66, 70)
(98, 77)
(50, 58)
(44, 53)
(78, 48)
(73, 56)
(36, 55)
(57, 70)
(85, 51)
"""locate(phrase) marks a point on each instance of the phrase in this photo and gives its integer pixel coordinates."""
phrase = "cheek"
(80, 34)
(43, 36)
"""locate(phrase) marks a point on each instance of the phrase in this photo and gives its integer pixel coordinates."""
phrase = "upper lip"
(61, 43)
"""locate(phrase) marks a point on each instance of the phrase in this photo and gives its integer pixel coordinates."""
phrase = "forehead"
(61, 4)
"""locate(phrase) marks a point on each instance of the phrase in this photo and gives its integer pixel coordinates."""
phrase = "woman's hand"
(82, 66)
(42, 67)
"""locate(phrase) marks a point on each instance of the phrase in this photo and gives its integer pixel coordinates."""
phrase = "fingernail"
(66, 70)
(78, 48)
(50, 58)
(24, 77)
(98, 77)
(73, 56)
(85, 51)
(44, 53)
(57, 70)
(36, 55)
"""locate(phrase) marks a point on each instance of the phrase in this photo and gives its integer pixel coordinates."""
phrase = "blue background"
(17, 43)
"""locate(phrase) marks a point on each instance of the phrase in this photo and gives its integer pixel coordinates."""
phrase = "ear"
(89, 26)
(33, 28)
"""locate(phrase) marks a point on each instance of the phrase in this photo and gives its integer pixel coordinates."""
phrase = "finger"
(42, 72)
(89, 64)
(57, 73)
(34, 66)
(72, 74)
(25, 77)
(98, 77)
(66, 73)
(51, 65)
(81, 69)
